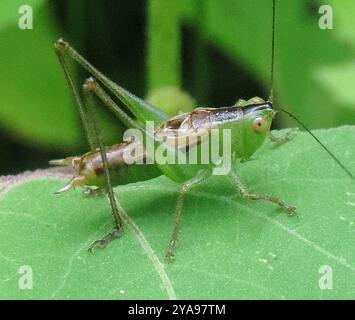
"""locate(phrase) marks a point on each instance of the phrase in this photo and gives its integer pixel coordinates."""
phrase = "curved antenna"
(323, 146)
(272, 52)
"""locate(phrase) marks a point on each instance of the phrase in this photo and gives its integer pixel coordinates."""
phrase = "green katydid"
(248, 122)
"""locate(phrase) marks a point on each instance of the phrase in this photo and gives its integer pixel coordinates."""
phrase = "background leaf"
(229, 247)
(242, 30)
(225, 55)
(36, 105)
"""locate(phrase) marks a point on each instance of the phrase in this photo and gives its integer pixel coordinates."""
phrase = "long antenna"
(324, 147)
(271, 98)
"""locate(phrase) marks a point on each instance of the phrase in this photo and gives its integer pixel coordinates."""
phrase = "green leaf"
(338, 79)
(36, 105)
(229, 247)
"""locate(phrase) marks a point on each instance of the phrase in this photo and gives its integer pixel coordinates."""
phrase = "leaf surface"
(229, 247)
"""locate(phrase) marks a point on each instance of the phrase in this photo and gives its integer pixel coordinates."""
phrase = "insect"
(248, 123)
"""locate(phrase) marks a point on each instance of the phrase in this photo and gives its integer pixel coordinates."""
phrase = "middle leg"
(186, 186)
(252, 196)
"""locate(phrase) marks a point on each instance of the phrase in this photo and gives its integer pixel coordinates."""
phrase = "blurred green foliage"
(225, 54)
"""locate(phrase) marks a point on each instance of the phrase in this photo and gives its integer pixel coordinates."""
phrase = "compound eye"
(259, 125)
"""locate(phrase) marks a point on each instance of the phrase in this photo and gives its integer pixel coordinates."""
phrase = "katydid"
(248, 123)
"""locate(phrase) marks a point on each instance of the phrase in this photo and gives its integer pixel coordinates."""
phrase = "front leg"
(252, 196)
(287, 137)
